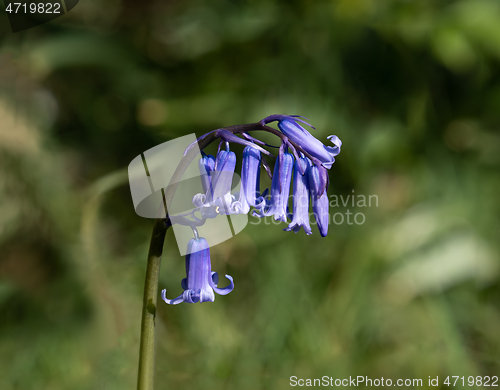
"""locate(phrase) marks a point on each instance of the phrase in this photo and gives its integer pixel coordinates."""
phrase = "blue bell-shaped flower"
(201, 282)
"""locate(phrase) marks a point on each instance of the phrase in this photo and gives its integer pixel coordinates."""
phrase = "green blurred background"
(411, 87)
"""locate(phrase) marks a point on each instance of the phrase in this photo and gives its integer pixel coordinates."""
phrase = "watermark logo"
(345, 209)
(151, 177)
(27, 14)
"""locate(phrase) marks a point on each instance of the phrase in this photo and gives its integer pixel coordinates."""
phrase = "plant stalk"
(145, 379)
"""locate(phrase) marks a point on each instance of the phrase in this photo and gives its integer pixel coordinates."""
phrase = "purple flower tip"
(319, 198)
(290, 126)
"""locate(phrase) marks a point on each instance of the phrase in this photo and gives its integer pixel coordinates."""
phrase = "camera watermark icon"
(150, 177)
(31, 13)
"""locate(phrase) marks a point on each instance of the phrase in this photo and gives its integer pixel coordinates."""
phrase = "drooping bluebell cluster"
(300, 152)
(301, 156)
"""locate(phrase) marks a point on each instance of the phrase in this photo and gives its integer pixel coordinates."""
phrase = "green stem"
(145, 380)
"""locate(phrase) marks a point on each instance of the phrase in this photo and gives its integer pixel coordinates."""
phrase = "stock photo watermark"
(365, 381)
(340, 214)
(152, 173)
(24, 15)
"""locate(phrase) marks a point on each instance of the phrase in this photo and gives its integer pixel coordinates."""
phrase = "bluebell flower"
(280, 189)
(300, 197)
(250, 182)
(319, 199)
(201, 282)
(218, 198)
(224, 162)
(206, 165)
(289, 125)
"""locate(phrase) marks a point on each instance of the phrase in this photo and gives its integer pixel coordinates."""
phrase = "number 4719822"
(34, 8)
(471, 380)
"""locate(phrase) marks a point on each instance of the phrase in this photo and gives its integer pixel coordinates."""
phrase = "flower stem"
(145, 379)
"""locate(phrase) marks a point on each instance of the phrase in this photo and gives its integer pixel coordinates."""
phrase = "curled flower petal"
(199, 200)
(337, 142)
(225, 204)
(174, 301)
(225, 290)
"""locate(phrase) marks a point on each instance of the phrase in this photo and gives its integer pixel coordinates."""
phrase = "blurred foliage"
(411, 87)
